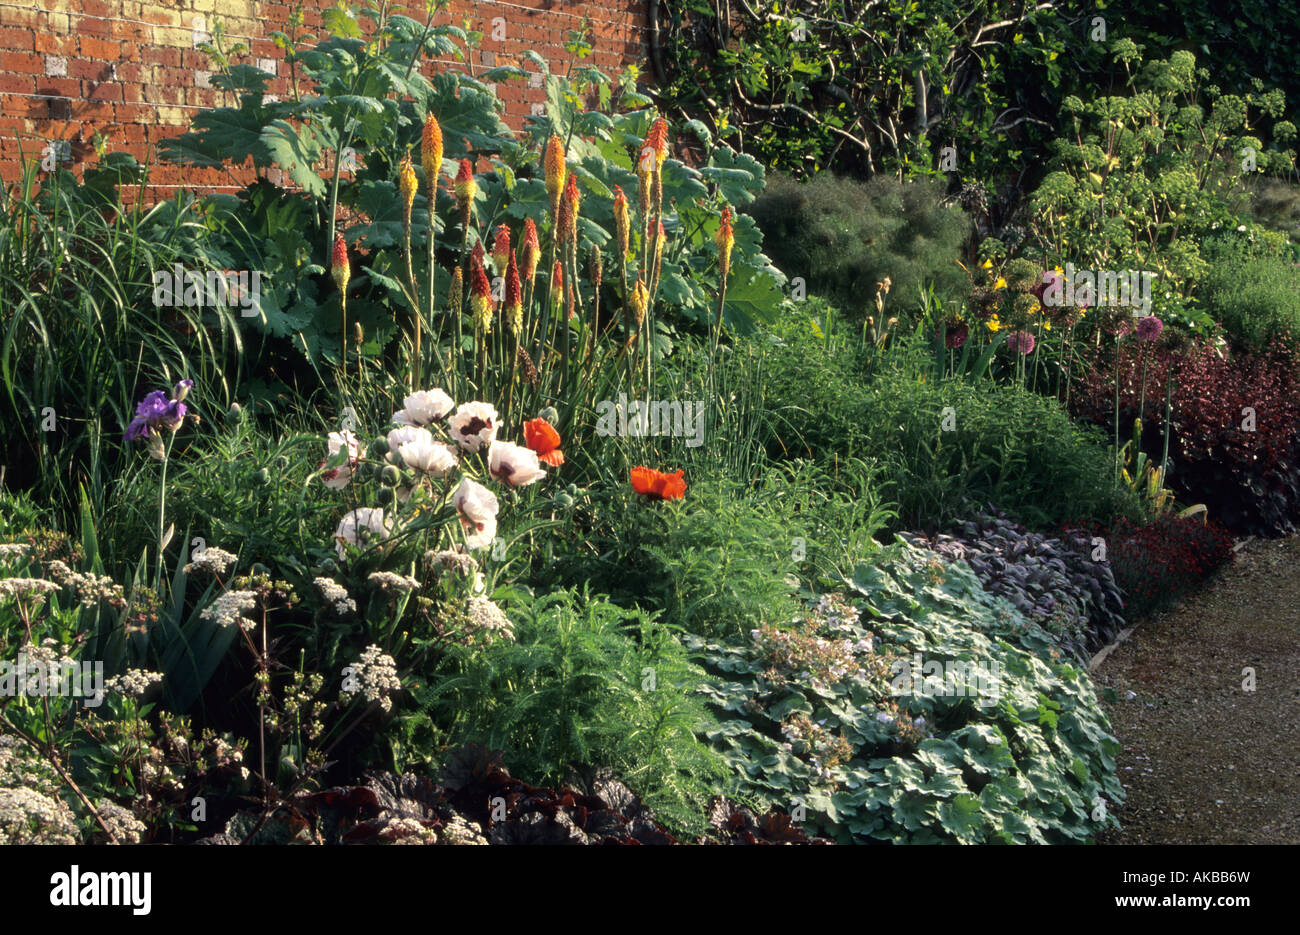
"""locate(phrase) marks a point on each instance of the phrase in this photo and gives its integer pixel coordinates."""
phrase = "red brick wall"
(70, 68)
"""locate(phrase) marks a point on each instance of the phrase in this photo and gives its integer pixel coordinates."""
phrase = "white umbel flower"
(228, 609)
(212, 559)
(391, 581)
(375, 676)
(337, 595)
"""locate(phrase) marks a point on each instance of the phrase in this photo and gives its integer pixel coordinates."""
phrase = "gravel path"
(1205, 761)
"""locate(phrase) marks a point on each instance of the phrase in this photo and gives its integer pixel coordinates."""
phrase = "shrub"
(1140, 178)
(1007, 446)
(716, 563)
(1052, 580)
(367, 95)
(816, 714)
(814, 388)
(843, 236)
(938, 442)
(1235, 429)
(1253, 290)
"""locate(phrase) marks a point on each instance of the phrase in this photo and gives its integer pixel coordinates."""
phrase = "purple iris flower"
(155, 412)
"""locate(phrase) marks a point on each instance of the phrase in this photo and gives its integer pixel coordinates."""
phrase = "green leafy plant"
(842, 237)
(1141, 178)
(821, 713)
(585, 685)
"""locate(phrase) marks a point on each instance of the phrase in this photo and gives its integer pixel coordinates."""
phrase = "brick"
(19, 40)
(52, 44)
(100, 49)
(101, 91)
(58, 87)
(17, 84)
(22, 62)
(92, 26)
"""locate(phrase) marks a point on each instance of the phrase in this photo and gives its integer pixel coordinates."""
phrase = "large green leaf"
(296, 151)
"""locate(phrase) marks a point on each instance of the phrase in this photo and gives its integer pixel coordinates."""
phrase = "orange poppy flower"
(541, 437)
(657, 485)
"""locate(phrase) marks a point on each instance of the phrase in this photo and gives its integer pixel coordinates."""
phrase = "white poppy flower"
(477, 507)
(427, 456)
(362, 522)
(513, 464)
(474, 426)
(337, 478)
(405, 434)
(424, 408)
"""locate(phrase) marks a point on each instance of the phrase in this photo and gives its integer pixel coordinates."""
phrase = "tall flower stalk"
(155, 414)
(340, 271)
(407, 185)
(725, 240)
(431, 160)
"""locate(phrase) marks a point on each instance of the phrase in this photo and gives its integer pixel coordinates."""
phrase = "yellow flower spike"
(556, 171)
(431, 153)
(639, 298)
(407, 183)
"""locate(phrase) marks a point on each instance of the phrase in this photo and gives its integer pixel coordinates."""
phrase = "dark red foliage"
(1156, 563)
(1248, 476)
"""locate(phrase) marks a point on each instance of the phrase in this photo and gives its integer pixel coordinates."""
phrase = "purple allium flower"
(1149, 328)
(956, 334)
(1021, 341)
